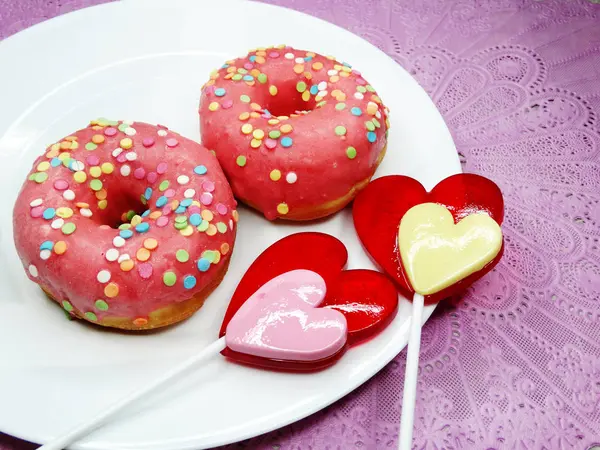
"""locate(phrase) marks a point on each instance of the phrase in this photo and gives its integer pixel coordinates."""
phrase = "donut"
(298, 134)
(126, 225)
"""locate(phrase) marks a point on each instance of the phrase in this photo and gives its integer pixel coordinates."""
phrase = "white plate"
(146, 61)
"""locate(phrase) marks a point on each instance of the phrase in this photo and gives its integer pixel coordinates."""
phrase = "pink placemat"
(515, 364)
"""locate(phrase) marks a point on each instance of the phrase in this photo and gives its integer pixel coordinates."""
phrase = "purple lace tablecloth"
(516, 364)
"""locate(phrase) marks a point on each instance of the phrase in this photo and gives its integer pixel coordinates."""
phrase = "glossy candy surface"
(379, 209)
(367, 299)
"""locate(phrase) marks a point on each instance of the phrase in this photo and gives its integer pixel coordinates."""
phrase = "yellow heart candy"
(436, 252)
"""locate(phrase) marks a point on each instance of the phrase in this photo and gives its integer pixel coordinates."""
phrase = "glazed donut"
(126, 225)
(297, 134)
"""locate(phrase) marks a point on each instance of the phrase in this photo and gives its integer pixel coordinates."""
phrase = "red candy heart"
(378, 209)
(367, 299)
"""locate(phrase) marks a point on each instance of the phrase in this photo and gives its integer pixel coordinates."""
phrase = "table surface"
(516, 363)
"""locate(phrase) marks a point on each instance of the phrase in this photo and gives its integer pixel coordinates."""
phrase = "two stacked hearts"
(471, 203)
(273, 316)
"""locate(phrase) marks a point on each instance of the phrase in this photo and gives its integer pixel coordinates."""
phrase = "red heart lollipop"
(367, 299)
(380, 207)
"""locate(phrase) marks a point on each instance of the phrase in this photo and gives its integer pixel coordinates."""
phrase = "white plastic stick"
(409, 396)
(87, 427)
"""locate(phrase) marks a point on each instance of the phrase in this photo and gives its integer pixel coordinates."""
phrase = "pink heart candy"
(281, 321)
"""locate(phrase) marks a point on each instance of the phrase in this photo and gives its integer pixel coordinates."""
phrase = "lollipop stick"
(410, 376)
(96, 422)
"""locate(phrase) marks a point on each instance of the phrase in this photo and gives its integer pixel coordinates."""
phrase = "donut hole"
(120, 209)
(288, 100)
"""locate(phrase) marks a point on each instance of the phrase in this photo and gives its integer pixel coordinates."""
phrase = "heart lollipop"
(432, 244)
(294, 309)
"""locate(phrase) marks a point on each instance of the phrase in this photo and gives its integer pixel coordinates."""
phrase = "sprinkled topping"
(68, 228)
(351, 152)
(148, 142)
(145, 270)
(111, 290)
(67, 305)
(169, 278)
(183, 179)
(189, 282)
(371, 136)
(101, 305)
(182, 255)
(286, 141)
(90, 316)
(291, 178)
(103, 276)
(213, 106)
(340, 130)
(283, 208)
(112, 254)
(203, 264)
(33, 271)
(275, 175)
(241, 160)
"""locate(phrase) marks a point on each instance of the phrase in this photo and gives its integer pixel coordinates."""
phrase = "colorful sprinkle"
(101, 305)
(67, 305)
(286, 142)
(203, 264)
(111, 290)
(340, 106)
(275, 175)
(142, 227)
(182, 255)
(68, 228)
(169, 278)
(273, 90)
(145, 270)
(241, 160)
(356, 111)
(112, 254)
(283, 208)
(291, 178)
(220, 92)
(351, 152)
(340, 130)
(200, 170)
(213, 106)
(91, 316)
(103, 276)
(148, 142)
(286, 128)
(189, 282)
(60, 247)
(49, 213)
(371, 136)
(126, 265)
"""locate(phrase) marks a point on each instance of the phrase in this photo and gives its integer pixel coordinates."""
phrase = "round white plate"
(146, 61)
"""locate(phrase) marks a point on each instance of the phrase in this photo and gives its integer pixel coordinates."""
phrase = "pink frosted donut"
(297, 134)
(126, 225)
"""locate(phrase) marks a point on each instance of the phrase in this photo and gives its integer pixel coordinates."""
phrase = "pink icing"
(317, 155)
(281, 321)
(94, 245)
